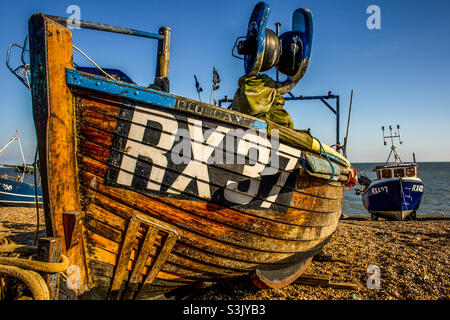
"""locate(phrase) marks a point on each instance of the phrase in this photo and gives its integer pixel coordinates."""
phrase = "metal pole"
(107, 28)
(162, 62)
(323, 100)
(348, 124)
(337, 120)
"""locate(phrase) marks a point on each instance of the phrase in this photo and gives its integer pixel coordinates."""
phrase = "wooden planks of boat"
(151, 191)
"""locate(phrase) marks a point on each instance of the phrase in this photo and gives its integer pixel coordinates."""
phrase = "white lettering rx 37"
(198, 150)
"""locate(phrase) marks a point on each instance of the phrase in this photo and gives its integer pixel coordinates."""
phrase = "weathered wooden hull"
(136, 223)
(215, 240)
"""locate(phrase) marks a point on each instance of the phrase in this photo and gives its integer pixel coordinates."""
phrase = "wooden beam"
(124, 258)
(54, 117)
(159, 262)
(139, 265)
(314, 279)
(324, 280)
(50, 251)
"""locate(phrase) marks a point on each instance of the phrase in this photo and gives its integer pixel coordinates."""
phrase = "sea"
(436, 196)
(435, 200)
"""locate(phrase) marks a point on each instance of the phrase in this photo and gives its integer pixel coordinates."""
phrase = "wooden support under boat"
(321, 280)
(135, 223)
(50, 251)
(137, 282)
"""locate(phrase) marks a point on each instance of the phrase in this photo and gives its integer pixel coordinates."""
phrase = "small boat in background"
(397, 191)
(15, 188)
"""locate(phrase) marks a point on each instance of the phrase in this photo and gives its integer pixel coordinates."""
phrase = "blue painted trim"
(131, 91)
(120, 89)
(260, 125)
(150, 35)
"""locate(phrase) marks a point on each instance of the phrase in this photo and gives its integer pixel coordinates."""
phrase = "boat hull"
(138, 184)
(20, 194)
(222, 233)
(393, 199)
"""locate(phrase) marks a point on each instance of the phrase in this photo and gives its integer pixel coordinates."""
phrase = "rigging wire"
(98, 67)
(36, 199)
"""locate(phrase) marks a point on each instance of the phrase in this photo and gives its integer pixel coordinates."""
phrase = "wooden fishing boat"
(135, 220)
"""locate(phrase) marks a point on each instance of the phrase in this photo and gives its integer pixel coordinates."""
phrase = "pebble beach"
(412, 257)
(411, 260)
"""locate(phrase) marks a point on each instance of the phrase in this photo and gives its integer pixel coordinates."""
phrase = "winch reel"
(263, 49)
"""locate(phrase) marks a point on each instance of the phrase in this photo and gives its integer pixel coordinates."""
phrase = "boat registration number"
(164, 153)
(7, 187)
(377, 190)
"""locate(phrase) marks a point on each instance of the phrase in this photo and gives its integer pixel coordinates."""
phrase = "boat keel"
(275, 279)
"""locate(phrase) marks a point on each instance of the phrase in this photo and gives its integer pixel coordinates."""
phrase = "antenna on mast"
(392, 136)
(344, 149)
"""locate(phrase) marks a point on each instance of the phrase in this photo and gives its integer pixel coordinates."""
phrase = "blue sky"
(400, 73)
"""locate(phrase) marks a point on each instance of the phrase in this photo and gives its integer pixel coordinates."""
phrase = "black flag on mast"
(197, 86)
(216, 79)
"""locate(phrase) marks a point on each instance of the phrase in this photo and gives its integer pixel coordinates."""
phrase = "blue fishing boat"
(17, 186)
(397, 191)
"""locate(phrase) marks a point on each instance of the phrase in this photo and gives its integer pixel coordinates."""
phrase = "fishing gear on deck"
(263, 49)
(289, 53)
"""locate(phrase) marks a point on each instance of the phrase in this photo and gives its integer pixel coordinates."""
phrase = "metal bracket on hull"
(135, 287)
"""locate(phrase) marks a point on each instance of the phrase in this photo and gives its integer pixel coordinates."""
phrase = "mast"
(392, 137)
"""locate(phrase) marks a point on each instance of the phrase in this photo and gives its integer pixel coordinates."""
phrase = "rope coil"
(47, 267)
(32, 280)
(26, 269)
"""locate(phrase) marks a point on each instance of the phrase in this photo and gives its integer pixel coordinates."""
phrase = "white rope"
(6, 146)
(21, 151)
(23, 158)
(26, 76)
(85, 55)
